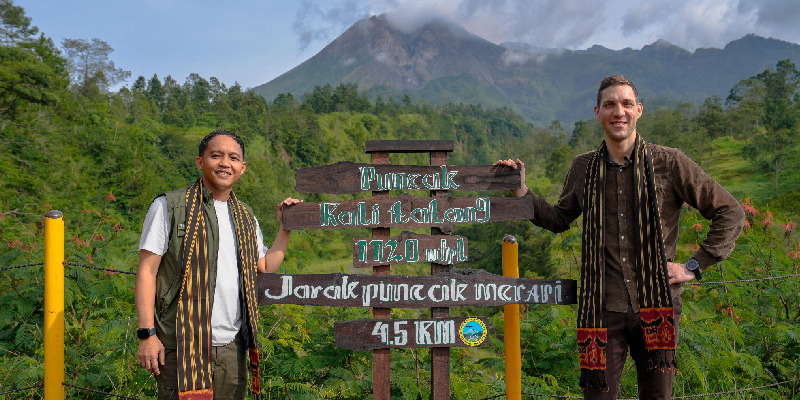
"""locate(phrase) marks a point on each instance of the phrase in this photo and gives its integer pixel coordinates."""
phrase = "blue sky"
(253, 42)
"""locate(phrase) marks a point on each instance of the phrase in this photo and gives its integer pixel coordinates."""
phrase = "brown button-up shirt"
(678, 180)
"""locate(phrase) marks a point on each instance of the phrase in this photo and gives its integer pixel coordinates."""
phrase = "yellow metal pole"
(511, 319)
(54, 305)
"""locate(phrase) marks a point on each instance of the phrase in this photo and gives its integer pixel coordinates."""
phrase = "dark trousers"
(624, 334)
(228, 372)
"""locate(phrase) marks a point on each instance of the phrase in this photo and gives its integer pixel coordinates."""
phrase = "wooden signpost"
(443, 288)
(370, 334)
(406, 212)
(458, 287)
(354, 178)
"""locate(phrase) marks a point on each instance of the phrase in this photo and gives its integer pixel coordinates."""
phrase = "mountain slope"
(442, 62)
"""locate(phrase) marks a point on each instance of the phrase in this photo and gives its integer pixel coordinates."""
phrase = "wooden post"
(54, 305)
(381, 358)
(440, 356)
(511, 322)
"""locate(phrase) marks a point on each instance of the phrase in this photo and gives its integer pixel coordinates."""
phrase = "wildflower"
(767, 222)
(2, 217)
(14, 244)
(117, 227)
(111, 197)
(89, 259)
(694, 247)
(99, 237)
(697, 227)
(746, 224)
(788, 227)
(87, 211)
(47, 206)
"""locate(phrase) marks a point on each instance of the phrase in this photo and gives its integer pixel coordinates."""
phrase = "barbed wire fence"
(487, 398)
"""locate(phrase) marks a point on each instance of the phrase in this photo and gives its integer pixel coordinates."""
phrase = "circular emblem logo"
(472, 332)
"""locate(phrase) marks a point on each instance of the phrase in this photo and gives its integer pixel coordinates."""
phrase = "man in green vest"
(199, 254)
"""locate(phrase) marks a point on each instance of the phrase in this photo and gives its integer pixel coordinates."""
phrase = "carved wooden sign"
(459, 287)
(406, 212)
(409, 247)
(353, 177)
(370, 334)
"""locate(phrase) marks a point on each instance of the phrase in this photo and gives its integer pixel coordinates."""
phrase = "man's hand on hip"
(150, 354)
(678, 273)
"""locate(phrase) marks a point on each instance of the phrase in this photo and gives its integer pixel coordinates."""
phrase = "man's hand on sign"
(678, 273)
(288, 202)
(150, 354)
(510, 163)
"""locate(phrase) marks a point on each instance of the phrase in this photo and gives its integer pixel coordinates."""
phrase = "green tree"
(24, 78)
(90, 67)
(15, 26)
(155, 92)
(779, 115)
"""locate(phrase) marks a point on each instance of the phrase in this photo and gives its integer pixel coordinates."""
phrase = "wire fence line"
(744, 280)
(769, 278)
(21, 266)
(100, 392)
(100, 269)
(23, 389)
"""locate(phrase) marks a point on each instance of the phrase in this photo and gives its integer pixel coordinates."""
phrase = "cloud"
(571, 24)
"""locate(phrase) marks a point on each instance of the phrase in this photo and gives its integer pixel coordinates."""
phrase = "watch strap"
(145, 333)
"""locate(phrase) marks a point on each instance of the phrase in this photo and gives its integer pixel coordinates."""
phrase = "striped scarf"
(655, 300)
(194, 308)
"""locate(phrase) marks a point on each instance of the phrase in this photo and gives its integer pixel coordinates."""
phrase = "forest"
(69, 142)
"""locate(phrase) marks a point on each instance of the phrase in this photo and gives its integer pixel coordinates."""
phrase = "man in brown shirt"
(678, 180)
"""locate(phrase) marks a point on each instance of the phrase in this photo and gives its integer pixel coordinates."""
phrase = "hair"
(204, 143)
(615, 80)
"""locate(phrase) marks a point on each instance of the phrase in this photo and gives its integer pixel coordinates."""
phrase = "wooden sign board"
(459, 287)
(409, 247)
(406, 212)
(347, 177)
(370, 334)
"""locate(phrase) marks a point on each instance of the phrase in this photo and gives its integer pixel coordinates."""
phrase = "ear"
(597, 113)
(199, 162)
(640, 108)
(244, 166)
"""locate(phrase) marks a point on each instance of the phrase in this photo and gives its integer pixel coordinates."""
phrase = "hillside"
(442, 63)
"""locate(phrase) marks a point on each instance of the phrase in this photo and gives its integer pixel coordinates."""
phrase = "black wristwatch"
(145, 333)
(694, 266)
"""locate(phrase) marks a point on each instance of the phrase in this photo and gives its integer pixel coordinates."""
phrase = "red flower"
(766, 222)
(788, 227)
(746, 224)
(2, 217)
(694, 247)
(98, 237)
(14, 244)
(117, 227)
(89, 259)
(111, 197)
(697, 227)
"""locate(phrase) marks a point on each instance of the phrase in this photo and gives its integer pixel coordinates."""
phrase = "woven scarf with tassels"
(655, 300)
(194, 307)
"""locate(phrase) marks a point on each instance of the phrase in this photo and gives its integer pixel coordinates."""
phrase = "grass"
(742, 177)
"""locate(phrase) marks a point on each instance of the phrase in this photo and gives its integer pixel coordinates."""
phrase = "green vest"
(170, 271)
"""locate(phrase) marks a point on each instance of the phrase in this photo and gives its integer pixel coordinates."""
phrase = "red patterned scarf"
(194, 308)
(655, 299)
